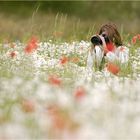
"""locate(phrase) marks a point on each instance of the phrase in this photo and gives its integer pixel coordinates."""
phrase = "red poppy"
(138, 36)
(63, 60)
(80, 93)
(113, 68)
(57, 117)
(54, 80)
(32, 45)
(134, 39)
(13, 54)
(61, 119)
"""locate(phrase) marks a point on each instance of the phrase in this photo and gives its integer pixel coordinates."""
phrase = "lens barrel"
(96, 40)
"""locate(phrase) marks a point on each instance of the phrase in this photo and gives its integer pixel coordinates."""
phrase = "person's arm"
(121, 55)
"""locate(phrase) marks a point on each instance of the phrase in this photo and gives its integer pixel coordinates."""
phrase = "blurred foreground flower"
(61, 119)
(57, 117)
(80, 93)
(113, 68)
(32, 45)
(28, 106)
(54, 80)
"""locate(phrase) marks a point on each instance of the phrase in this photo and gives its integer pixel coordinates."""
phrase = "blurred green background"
(66, 20)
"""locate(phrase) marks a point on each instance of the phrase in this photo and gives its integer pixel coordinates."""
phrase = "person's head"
(110, 34)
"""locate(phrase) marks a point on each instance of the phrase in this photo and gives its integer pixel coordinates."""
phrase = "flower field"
(47, 92)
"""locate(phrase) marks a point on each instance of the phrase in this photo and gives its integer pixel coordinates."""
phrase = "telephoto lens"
(96, 40)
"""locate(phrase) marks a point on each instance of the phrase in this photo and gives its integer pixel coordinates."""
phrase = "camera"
(96, 39)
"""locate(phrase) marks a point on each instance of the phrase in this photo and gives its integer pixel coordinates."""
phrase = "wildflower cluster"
(50, 94)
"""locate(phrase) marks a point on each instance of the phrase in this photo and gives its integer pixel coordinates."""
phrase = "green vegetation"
(65, 20)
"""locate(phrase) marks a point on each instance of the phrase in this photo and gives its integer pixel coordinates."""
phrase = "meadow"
(46, 90)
